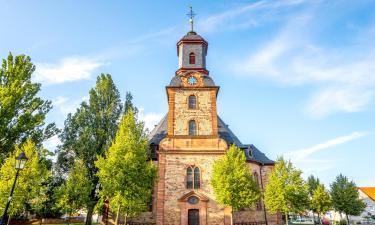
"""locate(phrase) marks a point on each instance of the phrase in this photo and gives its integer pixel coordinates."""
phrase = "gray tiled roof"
(160, 131)
(257, 156)
(176, 81)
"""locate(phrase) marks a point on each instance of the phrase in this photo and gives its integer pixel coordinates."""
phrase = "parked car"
(303, 221)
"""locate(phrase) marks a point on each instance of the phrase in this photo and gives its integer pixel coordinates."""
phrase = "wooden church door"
(193, 217)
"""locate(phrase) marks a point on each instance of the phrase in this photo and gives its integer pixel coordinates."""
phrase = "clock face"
(192, 81)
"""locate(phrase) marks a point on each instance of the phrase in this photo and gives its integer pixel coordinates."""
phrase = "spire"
(191, 14)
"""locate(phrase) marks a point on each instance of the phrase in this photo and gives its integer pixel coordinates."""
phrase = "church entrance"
(193, 217)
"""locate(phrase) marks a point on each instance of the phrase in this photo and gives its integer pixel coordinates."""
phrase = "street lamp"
(20, 164)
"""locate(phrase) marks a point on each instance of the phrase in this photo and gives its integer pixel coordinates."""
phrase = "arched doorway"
(193, 217)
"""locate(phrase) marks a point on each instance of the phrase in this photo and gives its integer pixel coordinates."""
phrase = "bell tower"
(190, 140)
(192, 50)
(192, 92)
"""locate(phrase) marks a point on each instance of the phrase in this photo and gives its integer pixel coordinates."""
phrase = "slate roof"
(160, 131)
(191, 35)
(176, 81)
(257, 155)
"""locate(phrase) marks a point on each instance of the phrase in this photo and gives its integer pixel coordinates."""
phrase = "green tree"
(312, 183)
(74, 194)
(286, 191)
(128, 105)
(126, 176)
(345, 197)
(22, 113)
(88, 133)
(321, 201)
(232, 181)
(30, 189)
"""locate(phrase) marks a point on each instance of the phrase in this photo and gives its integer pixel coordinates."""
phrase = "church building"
(188, 140)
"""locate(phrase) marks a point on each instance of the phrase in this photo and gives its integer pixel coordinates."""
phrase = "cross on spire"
(191, 14)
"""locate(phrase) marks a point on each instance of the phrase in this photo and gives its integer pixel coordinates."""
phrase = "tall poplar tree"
(232, 181)
(286, 191)
(127, 177)
(89, 132)
(345, 197)
(22, 112)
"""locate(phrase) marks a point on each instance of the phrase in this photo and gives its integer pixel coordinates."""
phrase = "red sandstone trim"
(183, 70)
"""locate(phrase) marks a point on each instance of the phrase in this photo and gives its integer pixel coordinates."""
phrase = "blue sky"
(296, 77)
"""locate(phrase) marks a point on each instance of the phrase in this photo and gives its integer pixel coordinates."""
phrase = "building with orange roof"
(367, 194)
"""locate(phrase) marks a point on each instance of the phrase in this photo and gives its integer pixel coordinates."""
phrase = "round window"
(193, 200)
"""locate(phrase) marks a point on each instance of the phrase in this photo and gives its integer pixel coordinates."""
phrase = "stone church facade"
(185, 144)
(188, 140)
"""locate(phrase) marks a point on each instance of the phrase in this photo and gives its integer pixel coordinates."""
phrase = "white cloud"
(230, 19)
(66, 106)
(52, 143)
(150, 119)
(343, 76)
(303, 157)
(331, 100)
(66, 70)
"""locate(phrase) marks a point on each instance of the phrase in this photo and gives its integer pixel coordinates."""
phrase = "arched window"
(197, 178)
(192, 102)
(193, 178)
(189, 178)
(192, 127)
(192, 58)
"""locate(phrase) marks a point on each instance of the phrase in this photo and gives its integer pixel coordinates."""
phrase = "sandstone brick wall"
(202, 115)
(175, 186)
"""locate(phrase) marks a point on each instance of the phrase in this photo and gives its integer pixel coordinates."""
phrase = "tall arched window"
(192, 102)
(189, 178)
(193, 178)
(197, 178)
(192, 58)
(192, 127)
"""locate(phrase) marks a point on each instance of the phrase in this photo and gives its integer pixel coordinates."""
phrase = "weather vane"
(191, 14)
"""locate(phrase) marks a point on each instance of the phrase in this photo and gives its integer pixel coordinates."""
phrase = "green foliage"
(345, 197)
(312, 183)
(286, 191)
(126, 177)
(74, 194)
(89, 132)
(49, 207)
(22, 113)
(128, 105)
(30, 191)
(321, 200)
(232, 181)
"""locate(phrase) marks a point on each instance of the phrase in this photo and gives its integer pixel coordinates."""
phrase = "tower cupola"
(192, 51)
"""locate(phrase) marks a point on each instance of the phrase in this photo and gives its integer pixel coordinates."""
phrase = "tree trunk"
(118, 214)
(320, 220)
(125, 218)
(232, 217)
(347, 218)
(90, 211)
(286, 219)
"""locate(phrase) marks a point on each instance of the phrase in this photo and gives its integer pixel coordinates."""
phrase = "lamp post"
(20, 164)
